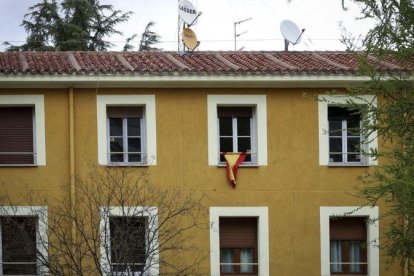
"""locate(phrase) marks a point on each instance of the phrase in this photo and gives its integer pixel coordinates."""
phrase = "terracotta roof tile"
(240, 63)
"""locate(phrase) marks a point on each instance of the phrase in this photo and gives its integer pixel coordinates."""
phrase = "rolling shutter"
(348, 228)
(238, 232)
(124, 111)
(234, 111)
(16, 135)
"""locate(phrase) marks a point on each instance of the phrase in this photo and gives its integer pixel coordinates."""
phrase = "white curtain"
(336, 256)
(355, 256)
(246, 257)
(227, 257)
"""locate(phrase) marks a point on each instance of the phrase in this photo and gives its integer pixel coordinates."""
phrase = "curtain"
(355, 256)
(336, 256)
(246, 258)
(227, 257)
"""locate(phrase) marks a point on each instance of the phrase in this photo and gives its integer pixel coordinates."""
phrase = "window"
(340, 140)
(129, 241)
(18, 246)
(236, 131)
(126, 130)
(237, 123)
(22, 130)
(127, 245)
(125, 141)
(346, 144)
(238, 246)
(23, 240)
(239, 241)
(349, 240)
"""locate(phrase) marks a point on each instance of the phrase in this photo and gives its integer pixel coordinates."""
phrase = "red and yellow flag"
(233, 160)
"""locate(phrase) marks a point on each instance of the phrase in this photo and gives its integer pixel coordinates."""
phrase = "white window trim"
(39, 129)
(41, 229)
(372, 236)
(326, 100)
(138, 211)
(262, 240)
(259, 101)
(150, 123)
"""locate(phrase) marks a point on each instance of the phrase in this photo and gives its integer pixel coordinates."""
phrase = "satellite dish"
(187, 12)
(189, 38)
(291, 31)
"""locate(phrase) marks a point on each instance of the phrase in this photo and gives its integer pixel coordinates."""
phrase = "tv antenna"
(187, 16)
(236, 35)
(291, 33)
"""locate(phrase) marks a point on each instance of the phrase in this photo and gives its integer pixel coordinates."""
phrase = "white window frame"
(41, 213)
(123, 211)
(259, 125)
(372, 213)
(149, 131)
(262, 238)
(324, 101)
(39, 144)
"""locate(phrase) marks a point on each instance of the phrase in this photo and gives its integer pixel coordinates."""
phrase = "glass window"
(236, 131)
(125, 135)
(238, 246)
(345, 141)
(127, 245)
(18, 245)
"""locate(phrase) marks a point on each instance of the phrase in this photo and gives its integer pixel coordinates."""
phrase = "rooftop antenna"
(291, 33)
(188, 16)
(236, 35)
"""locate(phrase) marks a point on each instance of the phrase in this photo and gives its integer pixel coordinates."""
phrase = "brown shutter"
(124, 111)
(348, 228)
(16, 134)
(234, 111)
(238, 232)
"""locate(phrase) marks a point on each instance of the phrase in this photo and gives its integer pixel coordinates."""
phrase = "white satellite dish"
(187, 12)
(290, 32)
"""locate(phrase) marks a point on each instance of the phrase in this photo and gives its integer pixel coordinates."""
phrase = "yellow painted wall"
(293, 185)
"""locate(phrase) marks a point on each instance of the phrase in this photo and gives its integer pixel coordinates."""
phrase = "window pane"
(134, 144)
(127, 240)
(333, 158)
(243, 127)
(354, 145)
(134, 128)
(227, 259)
(115, 127)
(19, 245)
(226, 144)
(244, 144)
(353, 127)
(117, 157)
(116, 145)
(354, 157)
(336, 256)
(355, 256)
(134, 158)
(335, 128)
(246, 258)
(226, 126)
(335, 145)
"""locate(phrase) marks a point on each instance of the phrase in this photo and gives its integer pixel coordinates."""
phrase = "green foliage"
(148, 39)
(392, 38)
(81, 25)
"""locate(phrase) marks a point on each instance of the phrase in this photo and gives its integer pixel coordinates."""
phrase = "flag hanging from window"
(233, 160)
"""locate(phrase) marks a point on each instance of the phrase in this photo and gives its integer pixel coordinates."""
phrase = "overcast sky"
(214, 29)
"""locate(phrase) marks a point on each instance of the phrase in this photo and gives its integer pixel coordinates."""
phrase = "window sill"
(18, 165)
(340, 165)
(223, 165)
(127, 165)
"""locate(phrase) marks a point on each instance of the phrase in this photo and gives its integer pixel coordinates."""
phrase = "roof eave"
(178, 81)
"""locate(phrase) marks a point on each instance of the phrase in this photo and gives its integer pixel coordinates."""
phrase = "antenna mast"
(236, 35)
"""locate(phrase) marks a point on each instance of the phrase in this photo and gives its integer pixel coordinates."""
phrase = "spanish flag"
(233, 160)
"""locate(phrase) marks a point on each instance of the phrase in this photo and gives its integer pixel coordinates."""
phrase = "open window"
(237, 126)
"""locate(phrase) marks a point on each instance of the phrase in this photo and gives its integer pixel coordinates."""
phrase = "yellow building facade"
(290, 185)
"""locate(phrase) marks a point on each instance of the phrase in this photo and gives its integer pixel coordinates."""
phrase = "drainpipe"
(72, 161)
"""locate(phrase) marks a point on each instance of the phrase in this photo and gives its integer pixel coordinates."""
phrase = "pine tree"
(148, 39)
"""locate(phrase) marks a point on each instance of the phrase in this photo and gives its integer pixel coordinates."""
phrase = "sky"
(215, 27)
